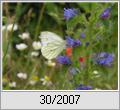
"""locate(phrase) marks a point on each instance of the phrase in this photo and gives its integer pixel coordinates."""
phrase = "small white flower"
(34, 54)
(12, 84)
(21, 46)
(24, 35)
(9, 27)
(36, 45)
(46, 81)
(95, 72)
(22, 75)
(51, 63)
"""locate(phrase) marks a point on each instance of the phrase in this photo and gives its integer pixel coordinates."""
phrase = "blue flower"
(82, 35)
(72, 43)
(83, 87)
(63, 60)
(104, 58)
(106, 13)
(69, 13)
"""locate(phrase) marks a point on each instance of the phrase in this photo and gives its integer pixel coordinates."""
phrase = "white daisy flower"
(22, 75)
(21, 46)
(12, 84)
(34, 53)
(36, 45)
(24, 35)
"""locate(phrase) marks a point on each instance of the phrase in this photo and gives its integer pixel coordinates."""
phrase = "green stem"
(11, 33)
(6, 51)
(39, 20)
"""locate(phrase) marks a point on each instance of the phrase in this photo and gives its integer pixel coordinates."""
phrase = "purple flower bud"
(106, 13)
(69, 13)
(83, 87)
(72, 43)
(63, 60)
(82, 35)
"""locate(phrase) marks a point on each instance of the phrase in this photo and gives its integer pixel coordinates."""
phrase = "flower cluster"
(63, 60)
(72, 43)
(104, 58)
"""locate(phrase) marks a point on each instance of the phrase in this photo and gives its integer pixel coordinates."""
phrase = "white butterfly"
(52, 44)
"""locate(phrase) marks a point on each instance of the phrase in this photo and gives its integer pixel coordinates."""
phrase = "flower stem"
(39, 20)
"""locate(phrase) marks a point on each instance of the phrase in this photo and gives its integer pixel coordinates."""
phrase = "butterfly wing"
(52, 45)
